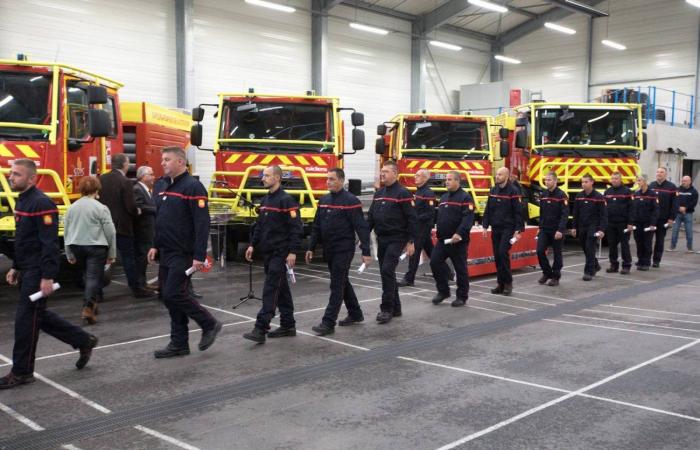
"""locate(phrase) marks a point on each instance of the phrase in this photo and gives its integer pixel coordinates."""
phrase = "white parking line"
(20, 418)
(558, 400)
(615, 313)
(166, 438)
(632, 323)
(652, 310)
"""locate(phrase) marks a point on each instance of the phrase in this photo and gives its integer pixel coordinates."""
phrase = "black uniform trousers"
(545, 239)
(141, 247)
(174, 288)
(276, 293)
(423, 241)
(500, 241)
(643, 239)
(441, 271)
(30, 317)
(389, 253)
(617, 236)
(589, 244)
(659, 237)
(341, 289)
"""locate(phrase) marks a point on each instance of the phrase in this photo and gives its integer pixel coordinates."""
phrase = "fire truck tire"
(129, 137)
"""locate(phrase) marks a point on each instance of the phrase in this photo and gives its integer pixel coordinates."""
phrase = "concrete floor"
(610, 363)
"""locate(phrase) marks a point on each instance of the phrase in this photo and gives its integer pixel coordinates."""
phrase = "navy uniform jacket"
(278, 229)
(338, 218)
(645, 207)
(590, 211)
(36, 234)
(425, 200)
(688, 198)
(503, 208)
(182, 217)
(619, 201)
(554, 210)
(455, 215)
(392, 215)
(668, 200)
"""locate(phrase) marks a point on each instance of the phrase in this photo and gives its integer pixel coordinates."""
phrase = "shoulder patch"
(202, 203)
(413, 203)
(48, 219)
(471, 207)
(293, 214)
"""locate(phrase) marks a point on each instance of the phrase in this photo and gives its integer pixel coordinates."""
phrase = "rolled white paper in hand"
(648, 229)
(37, 295)
(627, 229)
(362, 268)
(107, 266)
(598, 234)
(190, 271)
(403, 256)
(290, 275)
(448, 241)
(513, 240)
(666, 225)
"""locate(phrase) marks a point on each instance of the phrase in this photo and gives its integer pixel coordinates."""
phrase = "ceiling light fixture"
(613, 44)
(271, 5)
(695, 3)
(368, 28)
(507, 59)
(489, 5)
(559, 28)
(445, 45)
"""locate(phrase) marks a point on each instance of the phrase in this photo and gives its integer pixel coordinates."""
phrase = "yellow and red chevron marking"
(598, 168)
(472, 166)
(8, 150)
(255, 159)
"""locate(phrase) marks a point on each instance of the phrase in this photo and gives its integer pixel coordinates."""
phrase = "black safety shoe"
(11, 380)
(282, 332)
(587, 277)
(144, 293)
(597, 268)
(396, 313)
(171, 351)
(655, 265)
(404, 283)
(322, 329)
(507, 289)
(439, 298)
(553, 282)
(611, 269)
(543, 279)
(86, 352)
(349, 320)
(625, 271)
(257, 335)
(643, 268)
(459, 302)
(497, 290)
(208, 337)
(384, 317)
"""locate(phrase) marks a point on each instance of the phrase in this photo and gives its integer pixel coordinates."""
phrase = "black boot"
(282, 332)
(439, 298)
(208, 337)
(349, 320)
(171, 351)
(322, 329)
(11, 380)
(498, 289)
(86, 352)
(257, 335)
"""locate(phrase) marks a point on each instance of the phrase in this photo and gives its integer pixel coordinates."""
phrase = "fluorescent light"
(369, 29)
(613, 44)
(560, 28)
(489, 5)
(595, 119)
(693, 2)
(271, 5)
(563, 136)
(6, 100)
(507, 59)
(446, 45)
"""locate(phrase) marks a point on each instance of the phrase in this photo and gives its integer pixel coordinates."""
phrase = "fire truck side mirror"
(99, 123)
(197, 114)
(97, 95)
(379, 146)
(521, 122)
(358, 120)
(355, 187)
(196, 134)
(381, 130)
(504, 149)
(358, 139)
(521, 139)
(645, 140)
(503, 133)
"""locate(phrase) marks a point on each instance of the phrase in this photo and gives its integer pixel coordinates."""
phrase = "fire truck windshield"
(580, 127)
(434, 139)
(310, 125)
(24, 98)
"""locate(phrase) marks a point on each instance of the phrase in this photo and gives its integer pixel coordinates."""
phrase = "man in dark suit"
(118, 195)
(145, 222)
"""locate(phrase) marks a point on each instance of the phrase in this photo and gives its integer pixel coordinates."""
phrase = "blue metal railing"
(681, 107)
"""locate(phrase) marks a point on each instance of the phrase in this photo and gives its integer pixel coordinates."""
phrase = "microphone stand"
(251, 206)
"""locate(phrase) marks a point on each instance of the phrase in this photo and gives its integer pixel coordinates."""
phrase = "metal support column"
(589, 61)
(184, 52)
(319, 47)
(697, 80)
(496, 65)
(418, 68)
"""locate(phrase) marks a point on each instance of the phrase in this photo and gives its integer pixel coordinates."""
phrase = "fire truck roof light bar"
(271, 5)
(489, 5)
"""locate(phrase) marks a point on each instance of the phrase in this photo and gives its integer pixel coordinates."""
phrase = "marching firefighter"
(425, 201)
(34, 269)
(667, 193)
(392, 216)
(504, 214)
(645, 215)
(454, 222)
(554, 213)
(619, 200)
(277, 235)
(338, 219)
(590, 221)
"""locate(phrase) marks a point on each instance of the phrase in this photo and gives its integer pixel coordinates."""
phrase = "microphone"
(221, 182)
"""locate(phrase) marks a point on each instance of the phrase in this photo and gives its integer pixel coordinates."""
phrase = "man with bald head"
(425, 201)
(504, 214)
(687, 199)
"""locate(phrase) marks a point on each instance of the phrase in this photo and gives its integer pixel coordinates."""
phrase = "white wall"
(130, 41)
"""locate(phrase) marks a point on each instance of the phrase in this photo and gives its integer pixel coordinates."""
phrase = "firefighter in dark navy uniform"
(392, 216)
(454, 222)
(645, 215)
(34, 269)
(338, 219)
(554, 214)
(425, 201)
(277, 235)
(180, 242)
(504, 214)
(589, 224)
(619, 200)
(668, 206)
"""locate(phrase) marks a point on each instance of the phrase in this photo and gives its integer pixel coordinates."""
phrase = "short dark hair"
(119, 160)
(89, 185)
(589, 177)
(276, 171)
(391, 163)
(26, 163)
(340, 173)
(552, 174)
(454, 173)
(178, 151)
